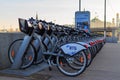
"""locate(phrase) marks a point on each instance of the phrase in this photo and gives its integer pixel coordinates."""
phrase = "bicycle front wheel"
(71, 65)
(28, 56)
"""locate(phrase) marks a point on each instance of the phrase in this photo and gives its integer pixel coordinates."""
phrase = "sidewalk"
(105, 66)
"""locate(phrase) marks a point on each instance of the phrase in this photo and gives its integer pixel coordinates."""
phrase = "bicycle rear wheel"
(71, 65)
(39, 49)
(89, 56)
(28, 57)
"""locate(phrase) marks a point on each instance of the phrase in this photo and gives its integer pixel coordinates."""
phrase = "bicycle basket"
(24, 27)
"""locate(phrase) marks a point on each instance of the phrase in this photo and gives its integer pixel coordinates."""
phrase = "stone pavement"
(105, 66)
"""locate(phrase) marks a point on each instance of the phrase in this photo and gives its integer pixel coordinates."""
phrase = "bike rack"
(20, 53)
(15, 67)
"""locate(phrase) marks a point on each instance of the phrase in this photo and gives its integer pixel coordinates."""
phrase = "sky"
(58, 11)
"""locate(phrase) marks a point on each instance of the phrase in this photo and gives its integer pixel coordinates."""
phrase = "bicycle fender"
(83, 43)
(72, 48)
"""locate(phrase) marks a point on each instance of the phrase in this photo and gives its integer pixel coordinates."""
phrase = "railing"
(109, 29)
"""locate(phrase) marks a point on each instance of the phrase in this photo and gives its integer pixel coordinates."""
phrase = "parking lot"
(105, 66)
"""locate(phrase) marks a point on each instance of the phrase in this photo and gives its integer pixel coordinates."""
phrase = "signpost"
(82, 20)
(105, 19)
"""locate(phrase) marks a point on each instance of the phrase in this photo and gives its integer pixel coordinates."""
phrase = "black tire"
(39, 49)
(89, 56)
(71, 65)
(28, 57)
(94, 50)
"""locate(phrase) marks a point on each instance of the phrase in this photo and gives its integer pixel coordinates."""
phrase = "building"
(97, 23)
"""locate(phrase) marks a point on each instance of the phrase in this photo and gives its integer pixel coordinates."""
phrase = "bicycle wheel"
(28, 57)
(89, 56)
(39, 49)
(71, 65)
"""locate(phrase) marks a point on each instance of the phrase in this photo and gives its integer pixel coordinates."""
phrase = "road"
(105, 66)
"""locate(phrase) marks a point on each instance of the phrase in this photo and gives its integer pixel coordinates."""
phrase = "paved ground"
(105, 66)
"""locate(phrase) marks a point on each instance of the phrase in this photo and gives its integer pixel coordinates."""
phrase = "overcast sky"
(59, 11)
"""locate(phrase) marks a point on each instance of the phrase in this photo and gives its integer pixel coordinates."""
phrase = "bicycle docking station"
(71, 50)
(15, 67)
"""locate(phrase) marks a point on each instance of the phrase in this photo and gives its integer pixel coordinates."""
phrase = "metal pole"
(79, 5)
(105, 19)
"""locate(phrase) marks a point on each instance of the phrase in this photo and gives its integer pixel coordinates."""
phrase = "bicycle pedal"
(53, 63)
(50, 69)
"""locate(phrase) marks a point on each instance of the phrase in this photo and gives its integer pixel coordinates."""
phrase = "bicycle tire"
(76, 71)
(39, 49)
(28, 57)
(89, 56)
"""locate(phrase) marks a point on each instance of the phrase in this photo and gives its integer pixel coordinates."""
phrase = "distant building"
(97, 23)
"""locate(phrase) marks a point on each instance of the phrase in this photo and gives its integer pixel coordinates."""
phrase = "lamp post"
(79, 5)
(105, 19)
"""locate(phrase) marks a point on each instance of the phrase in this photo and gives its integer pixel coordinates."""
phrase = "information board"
(82, 20)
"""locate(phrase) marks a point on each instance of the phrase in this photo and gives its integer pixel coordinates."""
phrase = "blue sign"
(82, 20)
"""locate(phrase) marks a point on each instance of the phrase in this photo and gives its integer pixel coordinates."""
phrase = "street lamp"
(79, 5)
(105, 19)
